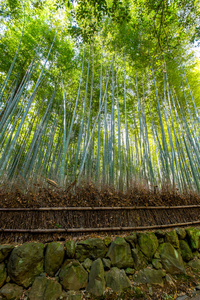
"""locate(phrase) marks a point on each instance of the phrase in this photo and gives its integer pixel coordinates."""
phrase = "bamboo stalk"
(71, 230)
(98, 208)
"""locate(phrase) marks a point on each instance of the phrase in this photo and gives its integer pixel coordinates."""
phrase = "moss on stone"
(5, 251)
(117, 280)
(25, 263)
(96, 284)
(53, 258)
(91, 248)
(148, 244)
(171, 259)
(172, 238)
(120, 253)
(70, 249)
(3, 274)
(73, 276)
(193, 237)
(186, 252)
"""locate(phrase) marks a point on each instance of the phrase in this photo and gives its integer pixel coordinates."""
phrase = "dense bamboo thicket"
(113, 127)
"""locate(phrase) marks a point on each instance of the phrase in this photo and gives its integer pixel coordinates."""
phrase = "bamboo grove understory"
(114, 129)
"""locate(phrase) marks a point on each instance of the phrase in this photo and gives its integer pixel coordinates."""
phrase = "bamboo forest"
(104, 92)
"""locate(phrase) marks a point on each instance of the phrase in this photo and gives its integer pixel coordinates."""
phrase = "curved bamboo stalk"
(90, 208)
(103, 229)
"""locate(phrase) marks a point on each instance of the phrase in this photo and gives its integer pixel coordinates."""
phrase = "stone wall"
(63, 270)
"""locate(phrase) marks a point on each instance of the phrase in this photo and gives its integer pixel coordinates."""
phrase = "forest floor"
(49, 194)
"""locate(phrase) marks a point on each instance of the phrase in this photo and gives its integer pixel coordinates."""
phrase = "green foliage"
(102, 89)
